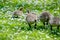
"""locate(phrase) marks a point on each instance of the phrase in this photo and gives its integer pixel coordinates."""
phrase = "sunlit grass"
(17, 28)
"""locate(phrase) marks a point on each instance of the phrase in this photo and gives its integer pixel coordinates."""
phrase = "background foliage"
(17, 29)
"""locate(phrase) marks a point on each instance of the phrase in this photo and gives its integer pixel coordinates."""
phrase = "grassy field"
(17, 29)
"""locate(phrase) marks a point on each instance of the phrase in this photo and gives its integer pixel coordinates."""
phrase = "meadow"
(17, 29)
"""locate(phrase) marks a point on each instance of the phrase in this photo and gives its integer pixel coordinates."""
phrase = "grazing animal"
(17, 13)
(44, 17)
(55, 21)
(31, 18)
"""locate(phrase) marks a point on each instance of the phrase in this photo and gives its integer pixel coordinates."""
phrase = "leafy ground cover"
(17, 29)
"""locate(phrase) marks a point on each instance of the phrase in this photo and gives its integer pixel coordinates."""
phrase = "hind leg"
(35, 24)
(29, 25)
(51, 27)
(44, 23)
(58, 28)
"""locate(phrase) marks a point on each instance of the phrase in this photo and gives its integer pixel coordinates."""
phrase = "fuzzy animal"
(44, 17)
(31, 18)
(55, 21)
(17, 13)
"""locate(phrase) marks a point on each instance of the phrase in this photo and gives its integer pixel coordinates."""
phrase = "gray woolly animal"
(17, 13)
(31, 18)
(55, 21)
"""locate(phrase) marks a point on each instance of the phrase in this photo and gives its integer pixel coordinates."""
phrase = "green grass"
(17, 29)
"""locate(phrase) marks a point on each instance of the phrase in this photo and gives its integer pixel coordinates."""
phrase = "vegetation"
(17, 29)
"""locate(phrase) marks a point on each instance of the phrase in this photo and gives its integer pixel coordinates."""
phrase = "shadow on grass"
(48, 30)
(41, 28)
(54, 32)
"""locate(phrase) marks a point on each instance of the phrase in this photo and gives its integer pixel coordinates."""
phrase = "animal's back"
(17, 12)
(55, 21)
(31, 17)
(45, 16)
